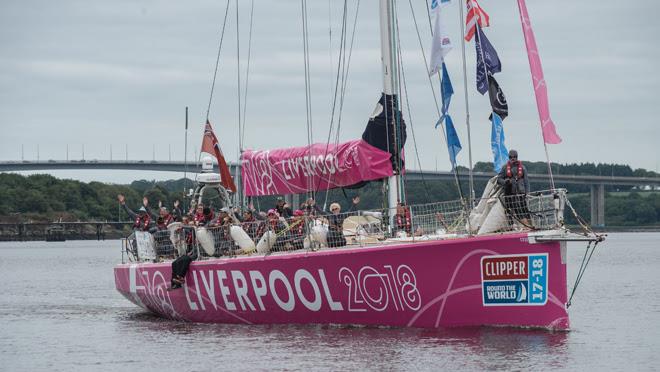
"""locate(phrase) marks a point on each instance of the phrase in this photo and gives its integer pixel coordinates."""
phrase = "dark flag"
(497, 99)
(488, 62)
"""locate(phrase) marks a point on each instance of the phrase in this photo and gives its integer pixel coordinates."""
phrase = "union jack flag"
(474, 15)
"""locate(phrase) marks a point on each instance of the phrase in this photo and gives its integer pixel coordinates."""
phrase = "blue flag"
(487, 61)
(453, 143)
(446, 91)
(500, 153)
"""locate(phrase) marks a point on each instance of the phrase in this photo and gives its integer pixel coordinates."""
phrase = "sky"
(116, 76)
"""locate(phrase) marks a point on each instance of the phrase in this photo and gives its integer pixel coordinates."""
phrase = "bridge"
(597, 183)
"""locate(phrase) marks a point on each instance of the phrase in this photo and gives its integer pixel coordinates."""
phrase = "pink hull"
(495, 280)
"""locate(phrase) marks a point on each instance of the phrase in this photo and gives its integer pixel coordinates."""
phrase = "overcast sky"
(119, 73)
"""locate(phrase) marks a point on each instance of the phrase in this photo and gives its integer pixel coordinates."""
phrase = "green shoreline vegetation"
(44, 198)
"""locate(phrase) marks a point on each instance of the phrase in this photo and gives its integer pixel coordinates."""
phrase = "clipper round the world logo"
(511, 280)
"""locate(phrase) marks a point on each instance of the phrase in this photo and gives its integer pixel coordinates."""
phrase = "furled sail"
(392, 137)
(297, 170)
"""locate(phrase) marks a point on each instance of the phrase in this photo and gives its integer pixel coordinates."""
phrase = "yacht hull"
(499, 280)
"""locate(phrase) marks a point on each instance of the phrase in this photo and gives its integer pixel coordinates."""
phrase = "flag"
(446, 90)
(441, 44)
(488, 62)
(500, 153)
(211, 146)
(497, 99)
(475, 15)
(453, 143)
(540, 90)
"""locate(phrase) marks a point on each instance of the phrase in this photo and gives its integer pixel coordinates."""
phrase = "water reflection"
(353, 347)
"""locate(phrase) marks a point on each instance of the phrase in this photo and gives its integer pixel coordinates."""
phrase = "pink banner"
(318, 167)
(547, 126)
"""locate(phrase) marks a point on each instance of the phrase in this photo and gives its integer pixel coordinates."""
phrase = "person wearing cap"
(142, 219)
(335, 235)
(515, 183)
(223, 217)
(283, 208)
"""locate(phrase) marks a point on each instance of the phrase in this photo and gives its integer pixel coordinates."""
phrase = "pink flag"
(540, 90)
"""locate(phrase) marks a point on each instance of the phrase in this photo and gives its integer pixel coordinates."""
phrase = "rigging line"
(308, 103)
(435, 97)
(412, 129)
(345, 71)
(346, 64)
(238, 76)
(330, 40)
(336, 90)
(387, 124)
(309, 79)
(247, 74)
(471, 197)
(217, 61)
(341, 72)
(583, 268)
(396, 89)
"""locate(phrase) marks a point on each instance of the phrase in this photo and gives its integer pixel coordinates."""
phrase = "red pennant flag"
(210, 146)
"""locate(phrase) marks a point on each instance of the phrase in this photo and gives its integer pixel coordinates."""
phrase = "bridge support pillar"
(598, 205)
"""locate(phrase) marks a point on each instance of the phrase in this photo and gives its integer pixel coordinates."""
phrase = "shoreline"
(114, 235)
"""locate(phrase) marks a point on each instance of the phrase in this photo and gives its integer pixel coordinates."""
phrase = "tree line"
(42, 197)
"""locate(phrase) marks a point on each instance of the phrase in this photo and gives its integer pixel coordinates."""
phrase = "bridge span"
(597, 183)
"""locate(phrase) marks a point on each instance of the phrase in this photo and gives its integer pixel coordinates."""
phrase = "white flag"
(441, 45)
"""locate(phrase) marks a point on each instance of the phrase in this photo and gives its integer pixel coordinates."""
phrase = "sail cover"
(317, 167)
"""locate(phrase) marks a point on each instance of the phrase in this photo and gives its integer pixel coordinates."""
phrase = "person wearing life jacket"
(403, 219)
(203, 215)
(254, 227)
(165, 218)
(142, 220)
(297, 229)
(513, 178)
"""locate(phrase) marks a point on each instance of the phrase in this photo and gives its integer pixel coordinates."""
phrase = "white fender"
(241, 238)
(176, 237)
(205, 239)
(319, 233)
(266, 242)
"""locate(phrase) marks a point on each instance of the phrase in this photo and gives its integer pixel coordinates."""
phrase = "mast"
(471, 198)
(390, 83)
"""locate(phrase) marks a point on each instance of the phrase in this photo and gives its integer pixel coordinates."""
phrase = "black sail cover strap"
(377, 131)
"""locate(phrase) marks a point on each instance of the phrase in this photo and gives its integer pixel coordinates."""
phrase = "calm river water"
(59, 311)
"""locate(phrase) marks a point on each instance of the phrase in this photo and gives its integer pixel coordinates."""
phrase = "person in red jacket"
(142, 220)
(402, 219)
